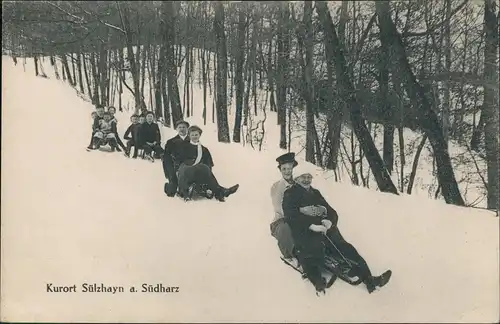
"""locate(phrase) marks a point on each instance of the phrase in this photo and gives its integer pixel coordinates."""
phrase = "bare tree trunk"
(222, 123)
(171, 69)
(64, 59)
(270, 73)
(415, 164)
(204, 76)
(447, 67)
(402, 159)
(238, 80)
(35, 59)
(336, 114)
(283, 58)
(73, 68)
(120, 75)
(88, 80)
(347, 92)
(80, 75)
(103, 73)
(388, 150)
(305, 42)
(95, 83)
(427, 117)
(134, 69)
(490, 106)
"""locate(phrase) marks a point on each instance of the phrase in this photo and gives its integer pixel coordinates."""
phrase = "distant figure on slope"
(97, 116)
(196, 168)
(316, 236)
(131, 136)
(150, 137)
(106, 133)
(112, 112)
(170, 163)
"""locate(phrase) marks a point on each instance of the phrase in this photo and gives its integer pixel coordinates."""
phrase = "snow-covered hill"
(72, 216)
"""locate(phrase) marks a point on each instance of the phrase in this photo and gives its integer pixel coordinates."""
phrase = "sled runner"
(328, 275)
(337, 265)
(198, 192)
(342, 270)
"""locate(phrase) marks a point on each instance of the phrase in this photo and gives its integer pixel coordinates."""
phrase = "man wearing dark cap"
(170, 164)
(279, 229)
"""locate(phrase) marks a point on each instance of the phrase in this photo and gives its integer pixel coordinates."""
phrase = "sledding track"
(71, 216)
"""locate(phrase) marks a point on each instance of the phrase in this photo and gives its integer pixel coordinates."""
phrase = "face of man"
(286, 170)
(133, 120)
(182, 129)
(112, 110)
(149, 118)
(142, 120)
(194, 136)
(100, 111)
(305, 180)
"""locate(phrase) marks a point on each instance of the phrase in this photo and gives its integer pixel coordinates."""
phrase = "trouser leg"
(281, 231)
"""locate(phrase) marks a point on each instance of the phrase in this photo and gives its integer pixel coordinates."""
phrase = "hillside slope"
(71, 216)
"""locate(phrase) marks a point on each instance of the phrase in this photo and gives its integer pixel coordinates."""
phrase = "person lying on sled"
(195, 167)
(170, 164)
(312, 234)
(106, 133)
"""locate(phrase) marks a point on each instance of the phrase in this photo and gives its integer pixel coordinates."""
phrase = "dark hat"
(287, 158)
(195, 128)
(177, 123)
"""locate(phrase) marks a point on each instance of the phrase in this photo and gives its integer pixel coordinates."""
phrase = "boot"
(383, 279)
(189, 194)
(379, 281)
(96, 143)
(226, 192)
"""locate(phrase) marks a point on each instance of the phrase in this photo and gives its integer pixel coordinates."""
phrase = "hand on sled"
(318, 228)
(327, 223)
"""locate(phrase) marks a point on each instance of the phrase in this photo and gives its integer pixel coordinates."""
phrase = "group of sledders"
(305, 225)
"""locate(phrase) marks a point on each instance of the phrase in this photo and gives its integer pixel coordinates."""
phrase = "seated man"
(130, 136)
(106, 133)
(170, 164)
(312, 234)
(149, 137)
(196, 168)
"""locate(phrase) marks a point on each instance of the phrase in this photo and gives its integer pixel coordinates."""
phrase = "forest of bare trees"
(340, 67)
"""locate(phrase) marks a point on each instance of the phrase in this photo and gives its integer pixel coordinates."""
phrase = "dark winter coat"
(149, 133)
(188, 152)
(307, 241)
(131, 132)
(170, 163)
(173, 147)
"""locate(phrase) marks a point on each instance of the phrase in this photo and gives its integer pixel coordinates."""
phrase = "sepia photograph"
(250, 162)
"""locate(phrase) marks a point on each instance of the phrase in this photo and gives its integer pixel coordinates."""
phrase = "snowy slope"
(71, 216)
